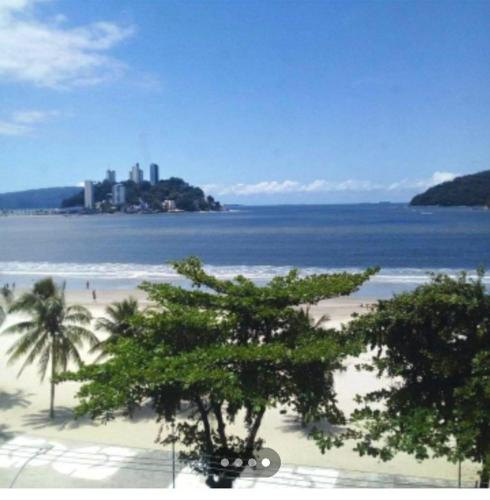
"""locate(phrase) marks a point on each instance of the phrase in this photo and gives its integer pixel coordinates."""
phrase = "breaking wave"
(141, 272)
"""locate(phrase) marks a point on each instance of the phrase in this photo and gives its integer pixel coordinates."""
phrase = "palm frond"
(25, 303)
(106, 324)
(3, 315)
(72, 354)
(20, 327)
(37, 351)
(78, 318)
(78, 335)
(78, 313)
(24, 344)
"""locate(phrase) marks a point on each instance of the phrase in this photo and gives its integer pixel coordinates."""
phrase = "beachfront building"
(110, 176)
(169, 205)
(136, 174)
(154, 174)
(118, 195)
(89, 195)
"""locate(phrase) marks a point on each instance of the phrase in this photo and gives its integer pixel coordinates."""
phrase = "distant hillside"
(36, 198)
(468, 190)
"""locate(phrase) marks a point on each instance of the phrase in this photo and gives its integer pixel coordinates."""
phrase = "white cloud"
(324, 186)
(10, 128)
(32, 116)
(23, 122)
(438, 177)
(50, 54)
(288, 186)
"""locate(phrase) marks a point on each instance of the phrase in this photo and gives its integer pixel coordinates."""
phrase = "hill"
(468, 190)
(186, 197)
(36, 198)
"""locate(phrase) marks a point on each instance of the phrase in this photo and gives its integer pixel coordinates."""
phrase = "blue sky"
(258, 101)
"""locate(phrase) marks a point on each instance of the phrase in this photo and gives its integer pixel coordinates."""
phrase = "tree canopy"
(434, 343)
(231, 350)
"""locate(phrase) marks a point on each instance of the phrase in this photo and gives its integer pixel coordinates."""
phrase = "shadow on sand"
(9, 400)
(5, 434)
(64, 418)
(292, 423)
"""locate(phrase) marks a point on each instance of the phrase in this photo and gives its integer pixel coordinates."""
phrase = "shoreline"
(123, 278)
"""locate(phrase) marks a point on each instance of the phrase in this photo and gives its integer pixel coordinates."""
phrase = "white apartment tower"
(118, 195)
(136, 174)
(89, 195)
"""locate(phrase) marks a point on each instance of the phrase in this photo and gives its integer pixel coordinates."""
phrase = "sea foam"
(165, 272)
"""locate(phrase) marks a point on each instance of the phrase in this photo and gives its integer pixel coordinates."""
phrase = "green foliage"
(230, 349)
(118, 323)
(186, 197)
(469, 190)
(5, 301)
(53, 332)
(434, 343)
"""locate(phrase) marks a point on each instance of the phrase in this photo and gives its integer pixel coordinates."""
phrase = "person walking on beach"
(94, 295)
(88, 284)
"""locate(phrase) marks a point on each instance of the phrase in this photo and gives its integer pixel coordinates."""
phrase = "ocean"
(120, 251)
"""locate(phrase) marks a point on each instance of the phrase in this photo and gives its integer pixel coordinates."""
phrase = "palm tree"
(5, 301)
(118, 323)
(53, 332)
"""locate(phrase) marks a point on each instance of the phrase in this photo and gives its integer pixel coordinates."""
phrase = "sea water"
(120, 251)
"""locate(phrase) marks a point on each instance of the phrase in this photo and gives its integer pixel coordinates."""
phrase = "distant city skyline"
(255, 102)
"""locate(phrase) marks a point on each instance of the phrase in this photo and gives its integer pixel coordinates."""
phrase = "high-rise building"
(136, 174)
(118, 194)
(110, 176)
(154, 174)
(89, 194)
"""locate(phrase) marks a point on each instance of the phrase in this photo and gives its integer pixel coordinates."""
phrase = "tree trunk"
(485, 475)
(250, 441)
(207, 428)
(53, 373)
(221, 425)
(221, 481)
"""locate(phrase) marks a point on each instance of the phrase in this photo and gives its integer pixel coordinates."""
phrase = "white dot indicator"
(252, 462)
(225, 462)
(238, 462)
(265, 462)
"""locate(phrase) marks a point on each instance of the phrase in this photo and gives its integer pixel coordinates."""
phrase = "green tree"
(53, 332)
(434, 343)
(231, 349)
(118, 323)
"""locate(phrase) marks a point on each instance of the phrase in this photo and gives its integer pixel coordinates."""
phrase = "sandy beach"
(24, 405)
